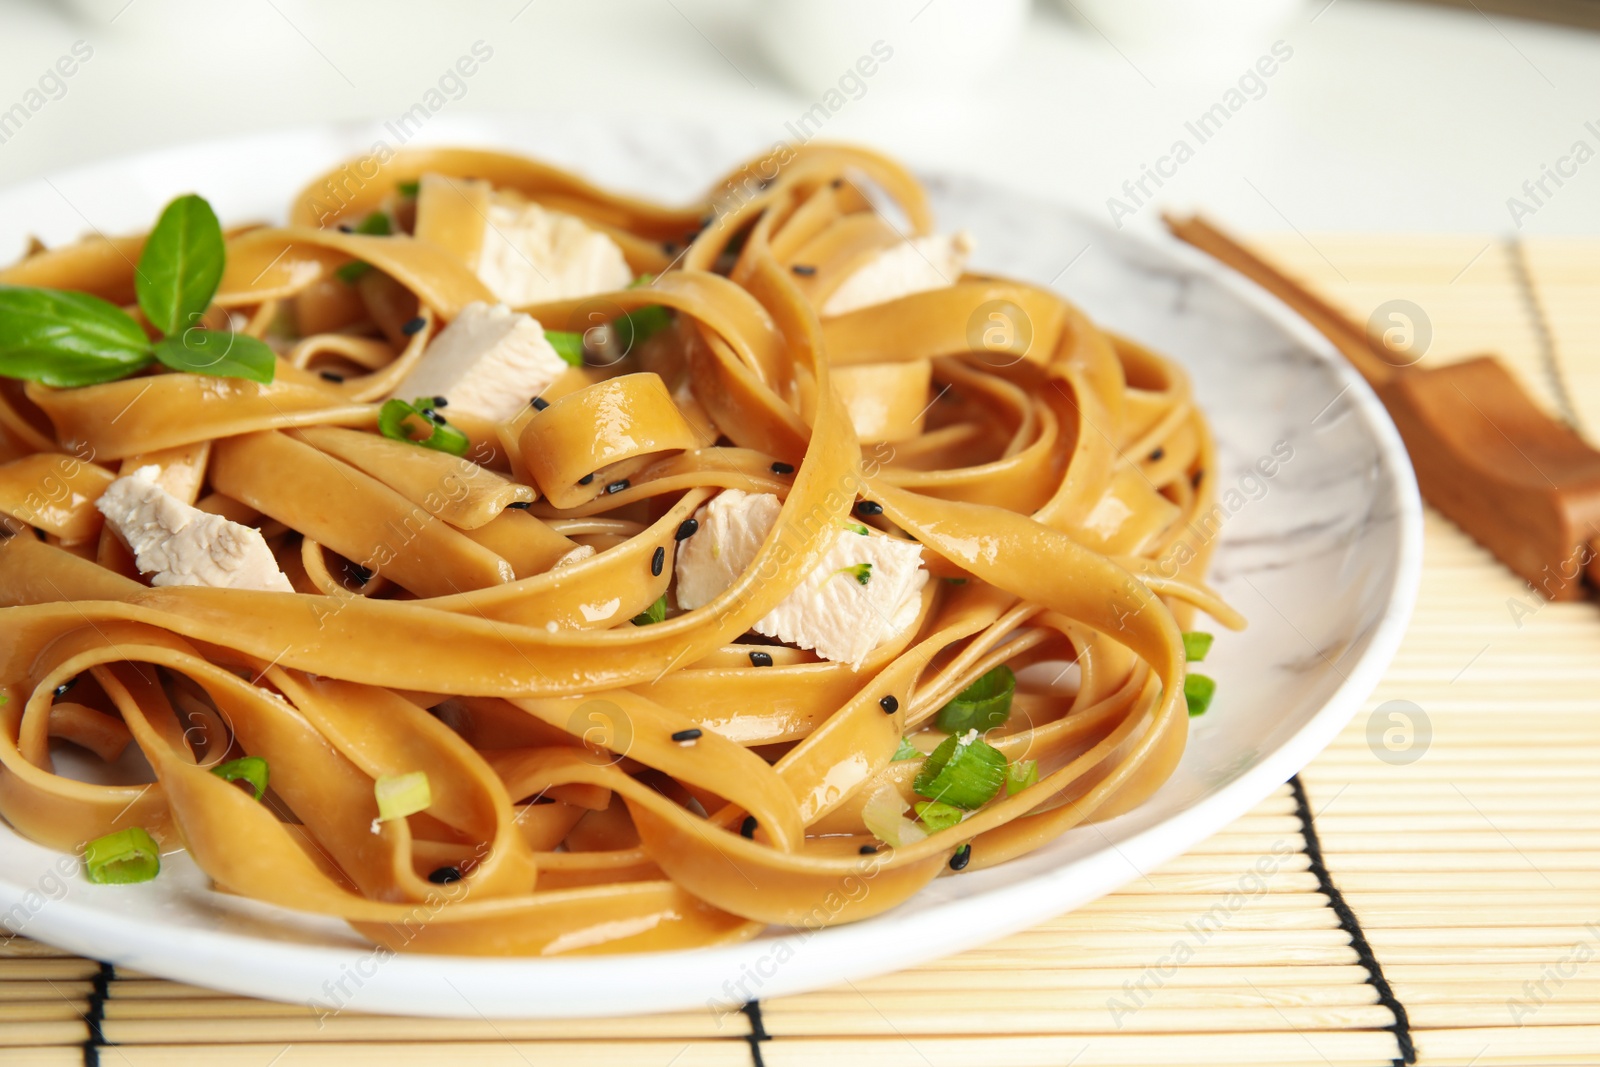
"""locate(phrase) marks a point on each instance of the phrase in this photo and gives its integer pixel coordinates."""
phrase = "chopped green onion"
(374, 225)
(641, 281)
(654, 613)
(643, 323)
(252, 769)
(409, 188)
(884, 816)
(442, 437)
(122, 858)
(568, 345)
(906, 751)
(402, 794)
(981, 706)
(1198, 691)
(1021, 775)
(936, 815)
(965, 771)
(861, 572)
(856, 527)
(956, 581)
(1195, 646)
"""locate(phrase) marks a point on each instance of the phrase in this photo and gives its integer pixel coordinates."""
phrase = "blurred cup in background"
(913, 46)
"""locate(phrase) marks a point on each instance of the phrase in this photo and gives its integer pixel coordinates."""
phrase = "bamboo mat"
(1446, 908)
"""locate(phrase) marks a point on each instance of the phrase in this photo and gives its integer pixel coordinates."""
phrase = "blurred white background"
(1378, 115)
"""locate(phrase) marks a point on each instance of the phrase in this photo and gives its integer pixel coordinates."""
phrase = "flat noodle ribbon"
(600, 782)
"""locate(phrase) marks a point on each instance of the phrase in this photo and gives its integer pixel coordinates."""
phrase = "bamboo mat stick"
(43, 970)
(1207, 914)
(1528, 879)
(956, 1004)
(1193, 975)
(265, 1021)
(1576, 823)
(1154, 1018)
(1135, 945)
(1158, 882)
(1505, 859)
(1324, 1049)
(159, 989)
(43, 1032)
(41, 990)
(24, 948)
(1525, 1045)
(1285, 952)
(599, 1053)
(48, 1056)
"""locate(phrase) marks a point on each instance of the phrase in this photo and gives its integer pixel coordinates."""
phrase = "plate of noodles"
(545, 569)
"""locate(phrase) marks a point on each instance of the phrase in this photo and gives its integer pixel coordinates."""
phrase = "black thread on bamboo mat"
(1352, 926)
(758, 1032)
(96, 1015)
(1517, 253)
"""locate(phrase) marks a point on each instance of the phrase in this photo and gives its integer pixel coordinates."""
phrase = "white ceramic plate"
(1323, 557)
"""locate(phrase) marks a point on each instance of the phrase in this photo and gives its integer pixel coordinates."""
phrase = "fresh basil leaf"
(181, 265)
(67, 339)
(219, 353)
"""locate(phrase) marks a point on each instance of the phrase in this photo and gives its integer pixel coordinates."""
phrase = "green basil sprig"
(67, 339)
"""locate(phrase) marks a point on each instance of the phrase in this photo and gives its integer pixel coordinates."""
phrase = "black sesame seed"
(345, 228)
(761, 659)
(431, 415)
(331, 376)
(889, 704)
(411, 326)
(61, 690)
(749, 827)
(1155, 457)
(686, 529)
(445, 875)
(617, 486)
(691, 734)
(539, 403)
(658, 561)
(669, 247)
(959, 861)
(520, 505)
(782, 468)
(804, 270)
(869, 508)
(586, 479)
(868, 850)
(441, 401)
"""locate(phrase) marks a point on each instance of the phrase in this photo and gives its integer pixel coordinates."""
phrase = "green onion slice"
(856, 527)
(252, 769)
(442, 437)
(374, 225)
(964, 770)
(1198, 691)
(1021, 775)
(568, 345)
(122, 858)
(981, 706)
(906, 751)
(861, 572)
(408, 188)
(654, 613)
(884, 816)
(936, 815)
(1195, 646)
(400, 795)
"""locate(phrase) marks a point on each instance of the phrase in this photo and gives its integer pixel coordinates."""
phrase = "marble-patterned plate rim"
(188, 933)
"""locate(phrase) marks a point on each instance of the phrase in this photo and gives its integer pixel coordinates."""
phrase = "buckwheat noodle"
(1055, 475)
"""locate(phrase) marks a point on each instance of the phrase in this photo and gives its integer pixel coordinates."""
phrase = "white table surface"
(1390, 116)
